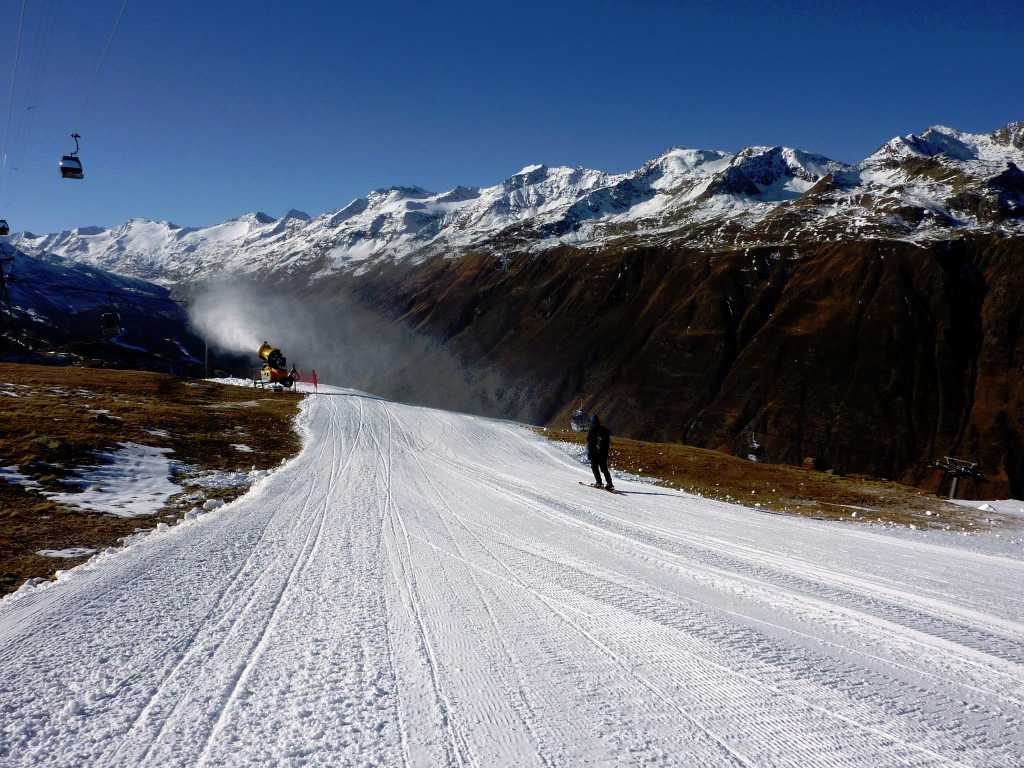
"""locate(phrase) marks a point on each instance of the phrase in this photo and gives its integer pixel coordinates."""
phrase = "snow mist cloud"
(327, 328)
(222, 315)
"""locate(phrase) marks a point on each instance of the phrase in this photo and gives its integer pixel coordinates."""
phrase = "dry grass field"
(54, 419)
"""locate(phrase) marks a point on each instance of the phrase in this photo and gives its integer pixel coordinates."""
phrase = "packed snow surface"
(422, 588)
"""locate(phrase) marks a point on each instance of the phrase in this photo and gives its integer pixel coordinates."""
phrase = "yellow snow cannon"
(275, 369)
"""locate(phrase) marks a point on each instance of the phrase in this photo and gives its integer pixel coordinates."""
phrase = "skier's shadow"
(646, 493)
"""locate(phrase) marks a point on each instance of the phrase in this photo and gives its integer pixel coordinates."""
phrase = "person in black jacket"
(599, 440)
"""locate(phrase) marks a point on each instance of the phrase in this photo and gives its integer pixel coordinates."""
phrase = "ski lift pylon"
(755, 450)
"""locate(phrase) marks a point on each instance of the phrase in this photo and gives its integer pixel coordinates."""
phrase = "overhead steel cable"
(99, 66)
(10, 100)
(59, 287)
(37, 40)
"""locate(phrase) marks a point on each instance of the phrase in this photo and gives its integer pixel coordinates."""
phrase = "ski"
(602, 488)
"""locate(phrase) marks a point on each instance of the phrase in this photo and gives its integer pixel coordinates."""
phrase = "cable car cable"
(42, 198)
(99, 66)
(14, 79)
(37, 43)
(59, 287)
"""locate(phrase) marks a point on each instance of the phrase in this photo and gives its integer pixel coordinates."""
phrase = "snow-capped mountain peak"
(531, 169)
(392, 194)
(999, 147)
(773, 173)
(686, 195)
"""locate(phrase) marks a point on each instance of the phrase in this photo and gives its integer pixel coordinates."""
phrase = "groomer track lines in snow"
(423, 588)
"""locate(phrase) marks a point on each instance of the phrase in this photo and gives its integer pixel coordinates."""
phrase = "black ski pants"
(600, 464)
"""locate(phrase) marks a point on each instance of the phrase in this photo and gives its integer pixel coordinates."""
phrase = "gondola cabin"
(111, 322)
(4, 229)
(579, 420)
(71, 167)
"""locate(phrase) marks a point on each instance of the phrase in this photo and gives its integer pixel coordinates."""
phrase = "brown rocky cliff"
(871, 357)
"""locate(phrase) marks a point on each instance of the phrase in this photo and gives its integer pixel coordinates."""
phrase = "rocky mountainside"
(861, 317)
(67, 313)
(864, 356)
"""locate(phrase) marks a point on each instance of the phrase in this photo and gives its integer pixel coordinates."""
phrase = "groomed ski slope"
(422, 588)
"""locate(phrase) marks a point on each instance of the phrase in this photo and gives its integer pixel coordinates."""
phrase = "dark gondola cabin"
(4, 229)
(579, 420)
(70, 165)
(71, 168)
(111, 322)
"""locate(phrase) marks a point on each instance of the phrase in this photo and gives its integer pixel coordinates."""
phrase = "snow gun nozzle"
(272, 355)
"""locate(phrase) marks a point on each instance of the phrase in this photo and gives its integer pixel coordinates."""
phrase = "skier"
(599, 439)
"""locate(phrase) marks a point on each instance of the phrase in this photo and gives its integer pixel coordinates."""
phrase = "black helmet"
(594, 421)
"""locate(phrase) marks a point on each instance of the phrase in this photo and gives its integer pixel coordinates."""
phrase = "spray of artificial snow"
(223, 315)
(327, 328)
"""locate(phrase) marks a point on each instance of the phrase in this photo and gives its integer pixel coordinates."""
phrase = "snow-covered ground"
(422, 588)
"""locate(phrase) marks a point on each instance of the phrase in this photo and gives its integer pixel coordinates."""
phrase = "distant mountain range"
(914, 188)
(864, 317)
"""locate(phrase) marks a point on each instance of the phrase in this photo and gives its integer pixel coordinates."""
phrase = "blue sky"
(204, 110)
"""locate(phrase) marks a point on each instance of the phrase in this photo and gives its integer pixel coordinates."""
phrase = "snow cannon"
(275, 369)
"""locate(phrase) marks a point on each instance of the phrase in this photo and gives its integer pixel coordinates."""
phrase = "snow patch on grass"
(134, 480)
(14, 477)
(67, 553)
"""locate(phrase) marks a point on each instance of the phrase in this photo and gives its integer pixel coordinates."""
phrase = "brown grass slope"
(53, 419)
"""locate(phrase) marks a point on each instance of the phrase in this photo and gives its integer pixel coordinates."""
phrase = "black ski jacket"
(599, 440)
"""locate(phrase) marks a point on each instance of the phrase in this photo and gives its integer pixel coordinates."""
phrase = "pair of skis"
(602, 488)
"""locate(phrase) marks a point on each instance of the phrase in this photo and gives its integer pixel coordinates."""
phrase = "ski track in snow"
(423, 588)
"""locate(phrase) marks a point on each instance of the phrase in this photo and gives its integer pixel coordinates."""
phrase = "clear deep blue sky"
(208, 110)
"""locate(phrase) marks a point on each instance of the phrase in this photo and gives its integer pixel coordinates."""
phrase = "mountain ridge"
(930, 186)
